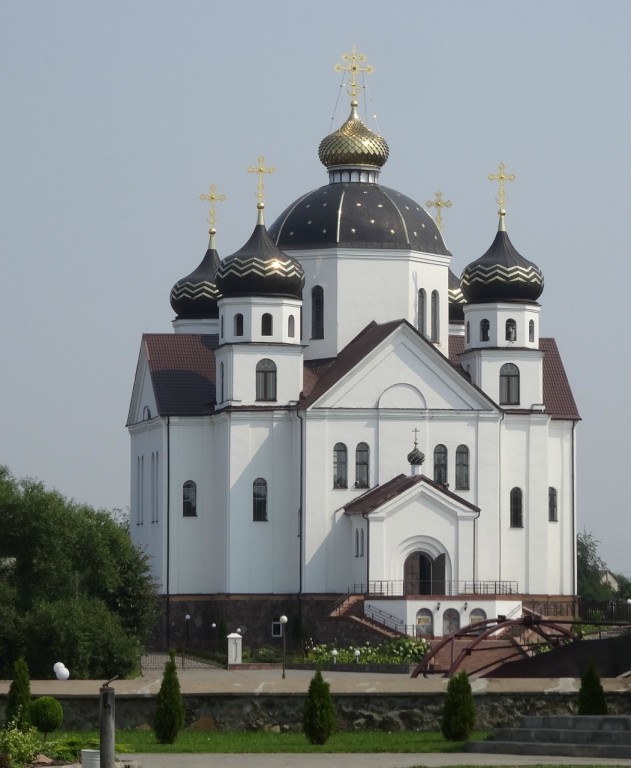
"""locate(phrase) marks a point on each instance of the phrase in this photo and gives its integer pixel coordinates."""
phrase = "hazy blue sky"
(116, 115)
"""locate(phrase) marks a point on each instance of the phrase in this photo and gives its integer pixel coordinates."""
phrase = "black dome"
(502, 274)
(356, 215)
(195, 296)
(259, 268)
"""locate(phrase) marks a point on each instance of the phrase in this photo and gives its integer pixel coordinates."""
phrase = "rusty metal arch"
(551, 632)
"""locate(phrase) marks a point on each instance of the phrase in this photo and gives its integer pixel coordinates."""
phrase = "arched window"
(468, 332)
(267, 324)
(189, 499)
(435, 316)
(462, 468)
(477, 615)
(221, 382)
(509, 384)
(531, 331)
(317, 312)
(516, 508)
(440, 464)
(362, 454)
(340, 466)
(265, 380)
(511, 330)
(422, 309)
(485, 328)
(553, 515)
(291, 327)
(259, 500)
(238, 324)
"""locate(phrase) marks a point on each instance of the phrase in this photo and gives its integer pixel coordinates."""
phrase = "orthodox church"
(336, 412)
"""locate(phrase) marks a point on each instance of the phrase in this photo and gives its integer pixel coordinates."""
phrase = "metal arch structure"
(551, 632)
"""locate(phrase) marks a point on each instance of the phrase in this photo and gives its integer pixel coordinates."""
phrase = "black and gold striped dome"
(259, 268)
(196, 295)
(353, 144)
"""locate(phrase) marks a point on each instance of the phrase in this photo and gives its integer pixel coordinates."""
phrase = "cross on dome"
(354, 67)
(438, 203)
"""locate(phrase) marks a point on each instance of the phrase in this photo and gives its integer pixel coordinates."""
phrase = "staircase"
(568, 735)
(351, 608)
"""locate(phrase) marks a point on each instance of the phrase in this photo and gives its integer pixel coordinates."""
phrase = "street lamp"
(187, 618)
(334, 654)
(283, 621)
(357, 653)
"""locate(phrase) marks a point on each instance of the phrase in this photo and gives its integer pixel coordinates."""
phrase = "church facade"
(337, 412)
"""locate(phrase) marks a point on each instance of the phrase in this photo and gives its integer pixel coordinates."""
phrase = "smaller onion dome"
(415, 457)
(353, 144)
(196, 295)
(456, 300)
(502, 274)
(259, 268)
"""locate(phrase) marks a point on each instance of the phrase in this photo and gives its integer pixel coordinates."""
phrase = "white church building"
(336, 412)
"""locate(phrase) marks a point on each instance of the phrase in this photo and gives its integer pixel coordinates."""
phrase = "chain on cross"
(261, 170)
(213, 198)
(354, 67)
(501, 177)
(438, 203)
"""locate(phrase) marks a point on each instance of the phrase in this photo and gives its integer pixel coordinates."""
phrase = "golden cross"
(261, 169)
(415, 435)
(213, 197)
(501, 177)
(354, 67)
(438, 203)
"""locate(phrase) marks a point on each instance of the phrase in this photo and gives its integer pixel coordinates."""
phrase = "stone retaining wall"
(392, 712)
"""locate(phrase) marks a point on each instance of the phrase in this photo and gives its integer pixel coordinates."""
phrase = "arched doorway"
(451, 621)
(424, 575)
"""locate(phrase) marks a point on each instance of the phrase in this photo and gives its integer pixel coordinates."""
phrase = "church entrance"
(424, 575)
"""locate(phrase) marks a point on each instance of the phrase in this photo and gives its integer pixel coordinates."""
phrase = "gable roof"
(182, 369)
(557, 394)
(376, 497)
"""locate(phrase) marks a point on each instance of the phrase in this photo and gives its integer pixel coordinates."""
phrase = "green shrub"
(19, 698)
(169, 717)
(318, 718)
(46, 714)
(18, 747)
(459, 709)
(591, 696)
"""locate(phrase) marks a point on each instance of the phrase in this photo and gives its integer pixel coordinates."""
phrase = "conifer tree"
(318, 718)
(459, 709)
(169, 717)
(19, 698)
(591, 696)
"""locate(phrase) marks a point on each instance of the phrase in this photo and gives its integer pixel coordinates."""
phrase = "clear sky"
(117, 115)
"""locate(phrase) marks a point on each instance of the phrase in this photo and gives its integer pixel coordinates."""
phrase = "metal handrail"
(436, 588)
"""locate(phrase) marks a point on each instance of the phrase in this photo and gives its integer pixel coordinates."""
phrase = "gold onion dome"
(353, 144)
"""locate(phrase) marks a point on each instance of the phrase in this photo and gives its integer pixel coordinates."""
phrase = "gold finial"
(501, 177)
(438, 203)
(354, 67)
(415, 430)
(213, 198)
(261, 169)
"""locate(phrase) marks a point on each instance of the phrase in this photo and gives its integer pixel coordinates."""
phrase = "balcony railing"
(420, 588)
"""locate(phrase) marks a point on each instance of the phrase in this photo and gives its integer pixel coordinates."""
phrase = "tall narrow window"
(340, 466)
(509, 384)
(422, 309)
(440, 464)
(317, 312)
(291, 327)
(516, 508)
(468, 332)
(531, 331)
(142, 490)
(485, 327)
(238, 324)
(267, 324)
(435, 317)
(511, 330)
(259, 500)
(189, 499)
(221, 327)
(362, 454)
(265, 380)
(221, 382)
(462, 468)
(361, 542)
(553, 515)
(357, 542)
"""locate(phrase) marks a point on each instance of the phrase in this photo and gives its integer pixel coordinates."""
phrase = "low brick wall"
(391, 712)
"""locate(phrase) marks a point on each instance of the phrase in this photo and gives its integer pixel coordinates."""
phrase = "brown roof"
(182, 368)
(376, 497)
(557, 394)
